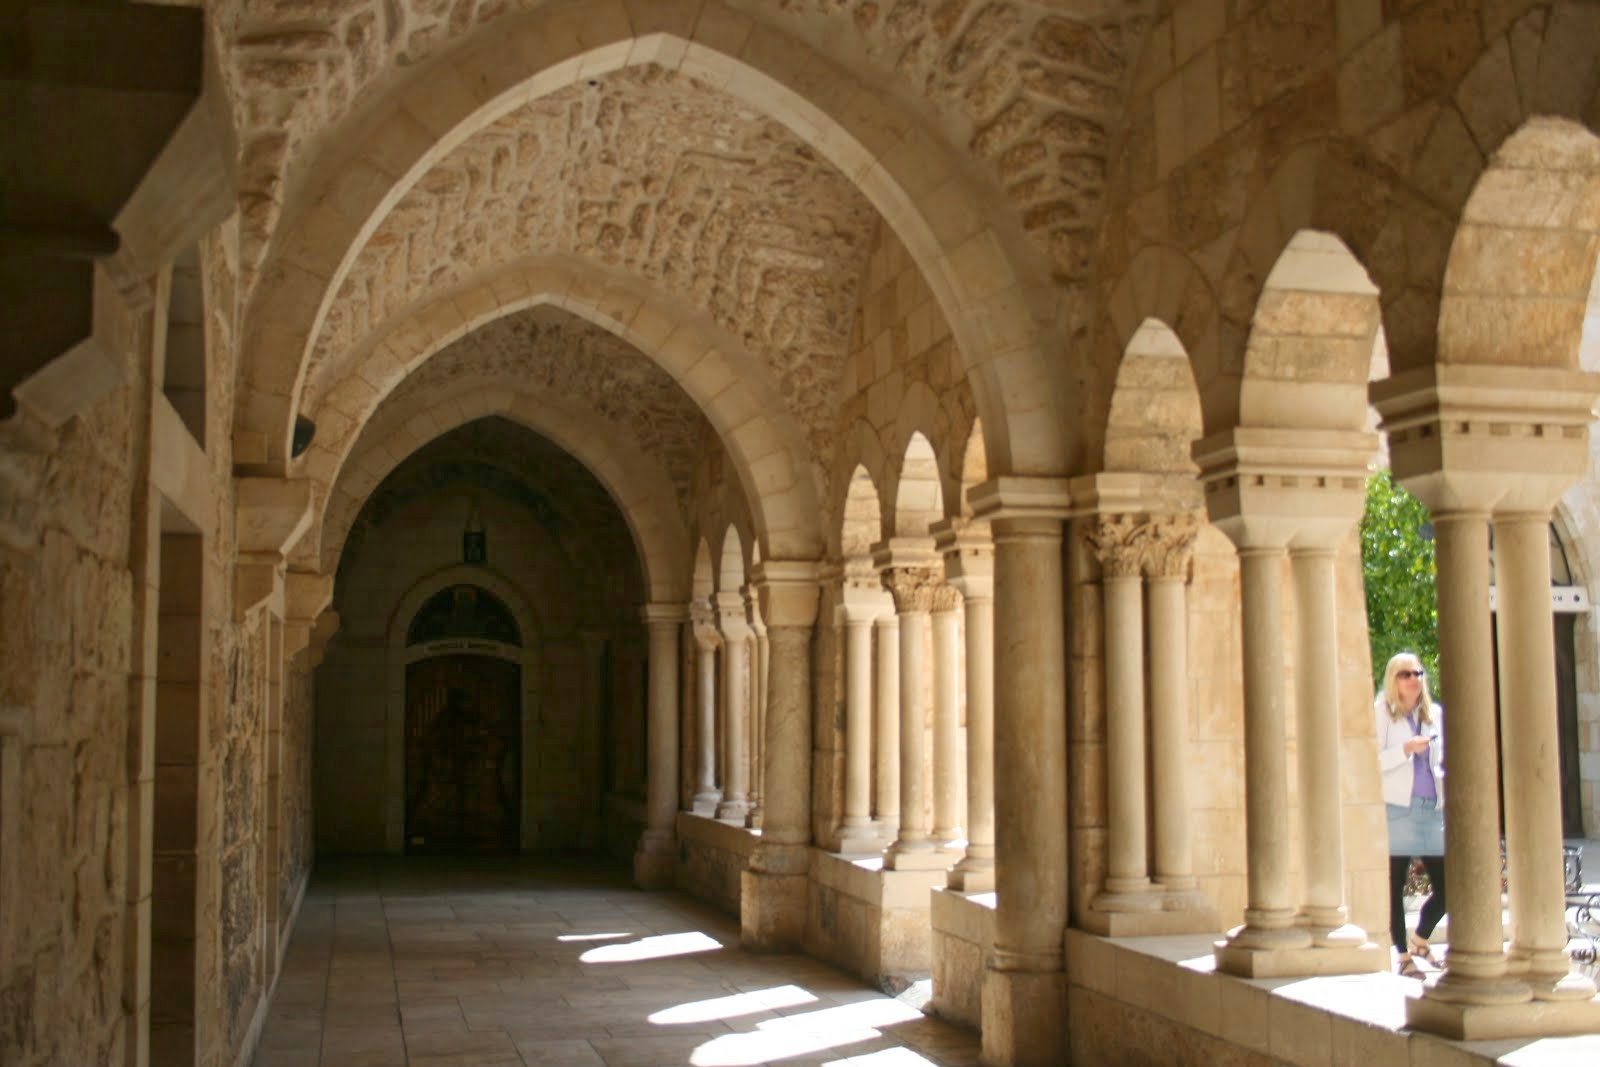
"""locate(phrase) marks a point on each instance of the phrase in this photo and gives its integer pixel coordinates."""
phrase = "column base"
(733, 811)
(1299, 961)
(706, 804)
(655, 862)
(772, 911)
(1024, 1018)
(977, 878)
(1462, 1021)
(1159, 913)
(922, 858)
(861, 839)
(753, 818)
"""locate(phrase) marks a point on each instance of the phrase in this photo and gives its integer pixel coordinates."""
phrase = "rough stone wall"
(65, 641)
(296, 816)
(243, 905)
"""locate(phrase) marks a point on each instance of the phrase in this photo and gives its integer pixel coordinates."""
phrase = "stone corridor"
(434, 962)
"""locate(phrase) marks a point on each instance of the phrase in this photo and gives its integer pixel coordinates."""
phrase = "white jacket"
(1394, 763)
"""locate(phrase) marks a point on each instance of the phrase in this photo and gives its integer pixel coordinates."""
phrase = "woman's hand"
(1416, 745)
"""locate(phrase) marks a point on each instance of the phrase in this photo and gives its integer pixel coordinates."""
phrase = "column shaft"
(914, 829)
(707, 794)
(948, 817)
(1126, 848)
(788, 742)
(886, 711)
(1317, 726)
(653, 862)
(858, 729)
(1169, 731)
(1476, 965)
(1269, 912)
(1030, 742)
(975, 872)
(736, 687)
(1530, 749)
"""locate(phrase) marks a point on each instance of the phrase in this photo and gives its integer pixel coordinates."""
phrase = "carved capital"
(1120, 543)
(913, 588)
(946, 597)
(1172, 545)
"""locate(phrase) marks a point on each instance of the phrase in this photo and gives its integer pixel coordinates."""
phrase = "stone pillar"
(759, 655)
(1024, 992)
(1472, 441)
(1119, 545)
(949, 815)
(859, 607)
(772, 912)
(911, 574)
(735, 631)
(707, 794)
(688, 714)
(1529, 750)
(1168, 626)
(653, 862)
(969, 568)
(886, 716)
(1267, 488)
(1322, 911)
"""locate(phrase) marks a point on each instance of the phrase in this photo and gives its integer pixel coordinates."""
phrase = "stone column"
(1529, 749)
(969, 568)
(1024, 993)
(911, 573)
(1119, 542)
(859, 607)
(653, 861)
(1322, 911)
(949, 815)
(772, 910)
(886, 716)
(707, 794)
(1472, 441)
(759, 655)
(688, 714)
(1168, 626)
(735, 630)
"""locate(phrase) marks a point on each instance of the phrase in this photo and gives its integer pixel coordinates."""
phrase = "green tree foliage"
(1397, 563)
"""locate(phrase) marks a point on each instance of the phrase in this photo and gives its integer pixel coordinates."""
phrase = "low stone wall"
(870, 921)
(1157, 1000)
(963, 932)
(711, 857)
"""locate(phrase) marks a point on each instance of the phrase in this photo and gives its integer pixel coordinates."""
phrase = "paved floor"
(511, 963)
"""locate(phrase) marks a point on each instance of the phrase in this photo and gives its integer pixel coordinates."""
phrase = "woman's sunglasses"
(1407, 675)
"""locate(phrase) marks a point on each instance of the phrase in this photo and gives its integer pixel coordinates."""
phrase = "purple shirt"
(1422, 784)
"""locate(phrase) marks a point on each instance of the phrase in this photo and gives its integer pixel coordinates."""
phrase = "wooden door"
(463, 754)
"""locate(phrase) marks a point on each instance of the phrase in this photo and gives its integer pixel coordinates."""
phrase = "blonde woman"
(1411, 758)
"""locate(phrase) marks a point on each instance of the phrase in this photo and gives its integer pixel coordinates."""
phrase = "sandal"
(1418, 947)
(1409, 969)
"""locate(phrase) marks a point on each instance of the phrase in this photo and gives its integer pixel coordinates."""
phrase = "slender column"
(688, 715)
(1269, 915)
(948, 814)
(1167, 593)
(772, 906)
(1023, 996)
(1119, 544)
(1317, 725)
(736, 709)
(886, 715)
(1529, 746)
(1475, 968)
(856, 831)
(707, 796)
(758, 711)
(653, 860)
(913, 589)
(975, 872)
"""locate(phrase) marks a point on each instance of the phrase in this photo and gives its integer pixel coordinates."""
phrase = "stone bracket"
(1021, 497)
(1270, 486)
(788, 589)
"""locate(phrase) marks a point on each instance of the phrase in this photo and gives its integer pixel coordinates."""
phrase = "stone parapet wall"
(963, 935)
(712, 856)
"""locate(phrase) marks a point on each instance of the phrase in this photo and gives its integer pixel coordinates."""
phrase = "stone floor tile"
(574, 1053)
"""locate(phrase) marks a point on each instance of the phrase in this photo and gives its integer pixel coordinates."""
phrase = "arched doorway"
(463, 724)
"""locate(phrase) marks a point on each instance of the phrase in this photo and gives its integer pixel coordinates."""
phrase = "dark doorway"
(463, 754)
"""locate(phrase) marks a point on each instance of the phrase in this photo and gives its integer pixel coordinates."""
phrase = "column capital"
(1021, 496)
(1479, 438)
(788, 589)
(731, 615)
(1268, 486)
(663, 614)
(968, 549)
(1130, 545)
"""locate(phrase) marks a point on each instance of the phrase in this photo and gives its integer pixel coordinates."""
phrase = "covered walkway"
(434, 962)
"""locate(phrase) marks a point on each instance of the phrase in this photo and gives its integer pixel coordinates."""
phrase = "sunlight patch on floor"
(750, 1003)
(653, 948)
